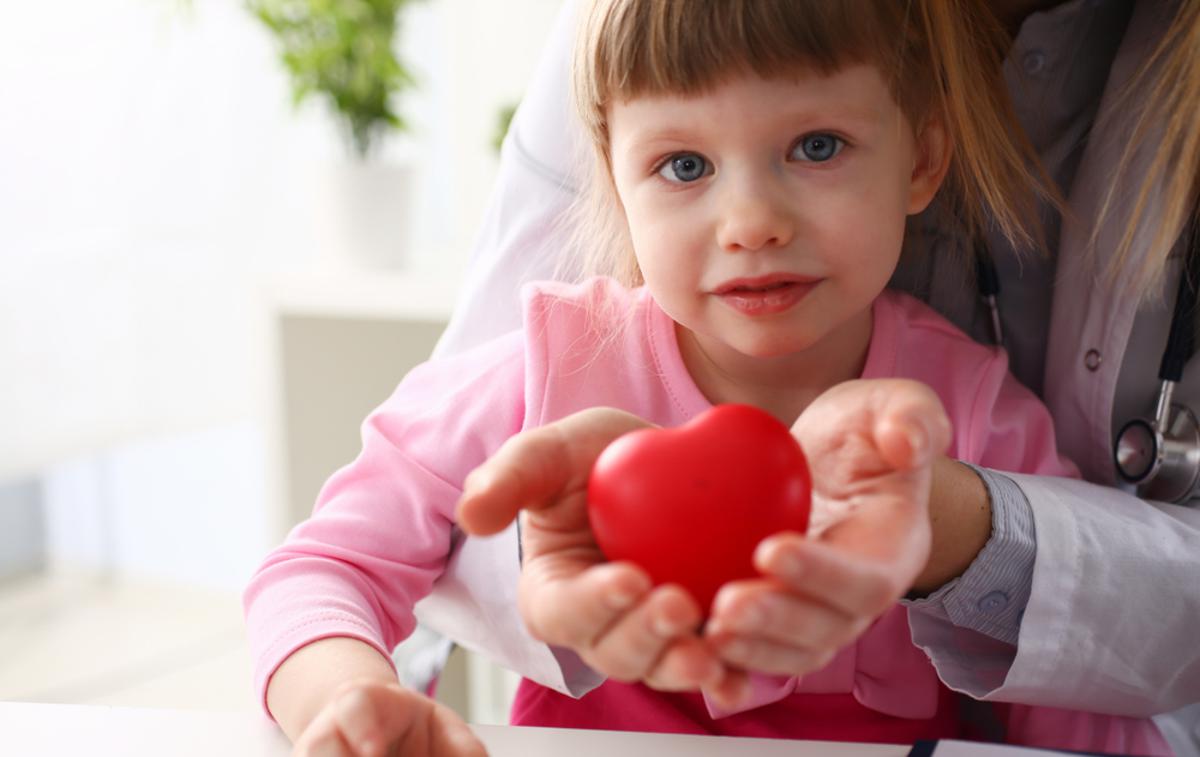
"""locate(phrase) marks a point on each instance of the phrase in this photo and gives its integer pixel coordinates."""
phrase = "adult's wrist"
(960, 518)
(990, 597)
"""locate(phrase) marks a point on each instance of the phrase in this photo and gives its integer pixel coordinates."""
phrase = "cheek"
(652, 245)
(665, 235)
(860, 235)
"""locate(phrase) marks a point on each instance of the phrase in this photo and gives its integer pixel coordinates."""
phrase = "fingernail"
(619, 600)
(720, 605)
(664, 627)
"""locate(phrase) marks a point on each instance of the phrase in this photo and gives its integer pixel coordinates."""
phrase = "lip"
(765, 295)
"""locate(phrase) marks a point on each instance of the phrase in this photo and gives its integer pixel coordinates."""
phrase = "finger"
(904, 420)
(629, 649)
(533, 469)
(328, 744)
(762, 609)
(766, 656)
(686, 665)
(452, 736)
(355, 717)
(527, 471)
(572, 611)
(411, 723)
(912, 426)
(732, 689)
(834, 576)
(886, 531)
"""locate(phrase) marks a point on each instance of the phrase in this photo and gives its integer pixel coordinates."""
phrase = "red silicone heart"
(689, 505)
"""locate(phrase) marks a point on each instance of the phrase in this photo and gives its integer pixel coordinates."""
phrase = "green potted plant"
(343, 52)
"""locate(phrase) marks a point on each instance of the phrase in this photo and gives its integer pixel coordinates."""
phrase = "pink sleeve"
(1007, 428)
(380, 533)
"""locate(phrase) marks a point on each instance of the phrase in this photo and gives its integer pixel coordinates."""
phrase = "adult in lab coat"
(1085, 596)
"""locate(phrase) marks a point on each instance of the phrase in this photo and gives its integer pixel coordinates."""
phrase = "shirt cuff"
(990, 597)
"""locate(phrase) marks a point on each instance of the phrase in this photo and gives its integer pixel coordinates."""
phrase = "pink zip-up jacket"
(382, 535)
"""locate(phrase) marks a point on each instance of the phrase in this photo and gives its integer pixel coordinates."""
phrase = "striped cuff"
(990, 597)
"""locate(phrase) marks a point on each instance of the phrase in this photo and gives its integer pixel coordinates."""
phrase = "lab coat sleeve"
(1112, 617)
(1113, 621)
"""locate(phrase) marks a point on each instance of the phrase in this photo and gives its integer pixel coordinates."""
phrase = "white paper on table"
(951, 748)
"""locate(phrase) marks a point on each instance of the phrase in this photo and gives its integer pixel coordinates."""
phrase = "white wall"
(153, 171)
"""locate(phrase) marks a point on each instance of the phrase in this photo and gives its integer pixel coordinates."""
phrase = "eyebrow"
(865, 117)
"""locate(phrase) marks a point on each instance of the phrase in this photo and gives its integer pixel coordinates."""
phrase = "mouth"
(765, 295)
(761, 284)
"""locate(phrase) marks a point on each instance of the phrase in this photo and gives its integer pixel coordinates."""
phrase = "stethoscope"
(1160, 456)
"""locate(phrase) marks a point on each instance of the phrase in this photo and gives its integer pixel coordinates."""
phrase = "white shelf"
(346, 293)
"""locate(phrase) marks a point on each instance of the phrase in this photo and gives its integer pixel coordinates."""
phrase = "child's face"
(767, 215)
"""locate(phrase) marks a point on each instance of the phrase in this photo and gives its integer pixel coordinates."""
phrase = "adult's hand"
(872, 446)
(569, 595)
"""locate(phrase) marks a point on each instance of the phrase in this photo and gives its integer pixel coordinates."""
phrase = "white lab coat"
(1113, 622)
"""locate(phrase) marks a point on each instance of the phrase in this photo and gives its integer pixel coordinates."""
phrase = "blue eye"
(685, 167)
(817, 148)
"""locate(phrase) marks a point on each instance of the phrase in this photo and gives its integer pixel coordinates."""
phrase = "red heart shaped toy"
(689, 505)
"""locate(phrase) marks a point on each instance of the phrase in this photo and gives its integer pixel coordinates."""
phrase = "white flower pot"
(367, 210)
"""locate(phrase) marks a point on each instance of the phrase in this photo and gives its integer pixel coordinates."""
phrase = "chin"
(767, 347)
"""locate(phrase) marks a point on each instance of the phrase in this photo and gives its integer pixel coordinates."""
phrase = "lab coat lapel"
(1091, 322)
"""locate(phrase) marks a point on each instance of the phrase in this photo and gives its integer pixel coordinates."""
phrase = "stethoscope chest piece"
(1162, 456)
(1163, 464)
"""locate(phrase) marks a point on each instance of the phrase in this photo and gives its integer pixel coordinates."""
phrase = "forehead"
(856, 95)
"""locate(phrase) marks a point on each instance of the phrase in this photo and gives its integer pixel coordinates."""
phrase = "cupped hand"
(569, 595)
(371, 719)
(872, 446)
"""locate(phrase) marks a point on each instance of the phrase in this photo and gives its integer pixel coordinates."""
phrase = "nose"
(754, 218)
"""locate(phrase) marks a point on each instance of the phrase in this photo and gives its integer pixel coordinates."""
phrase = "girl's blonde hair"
(941, 59)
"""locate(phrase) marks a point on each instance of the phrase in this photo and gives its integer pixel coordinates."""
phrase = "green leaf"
(342, 51)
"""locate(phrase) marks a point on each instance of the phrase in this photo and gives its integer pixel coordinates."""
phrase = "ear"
(932, 154)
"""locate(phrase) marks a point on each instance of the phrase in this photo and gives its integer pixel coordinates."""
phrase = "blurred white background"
(163, 212)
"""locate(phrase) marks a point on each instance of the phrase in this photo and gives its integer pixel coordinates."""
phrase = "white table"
(61, 730)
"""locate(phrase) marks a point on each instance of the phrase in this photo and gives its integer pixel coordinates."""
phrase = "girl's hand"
(871, 446)
(372, 719)
(569, 595)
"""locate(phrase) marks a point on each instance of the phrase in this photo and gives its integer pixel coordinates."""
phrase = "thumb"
(528, 469)
(534, 469)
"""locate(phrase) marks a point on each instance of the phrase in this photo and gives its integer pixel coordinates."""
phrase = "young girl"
(757, 163)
